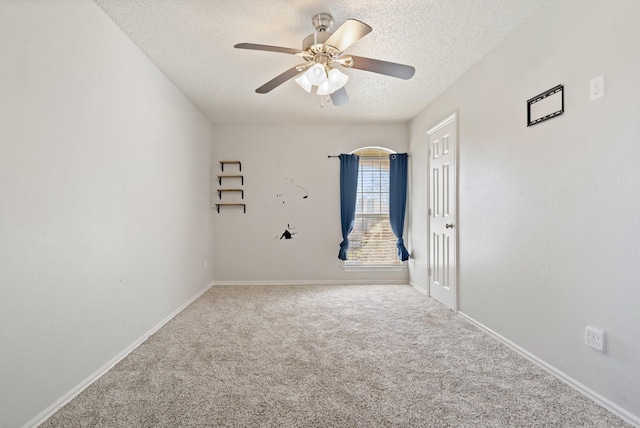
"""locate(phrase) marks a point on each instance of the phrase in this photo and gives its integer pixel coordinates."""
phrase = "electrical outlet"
(595, 338)
(205, 265)
(596, 87)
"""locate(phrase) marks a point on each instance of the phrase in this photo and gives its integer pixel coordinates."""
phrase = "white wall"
(276, 159)
(548, 215)
(104, 199)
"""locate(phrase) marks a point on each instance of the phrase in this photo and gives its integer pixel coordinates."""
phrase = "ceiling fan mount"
(323, 52)
(322, 21)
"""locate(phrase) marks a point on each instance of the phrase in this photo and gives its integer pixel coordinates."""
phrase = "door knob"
(449, 225)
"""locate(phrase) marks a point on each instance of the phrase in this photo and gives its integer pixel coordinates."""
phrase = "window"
(372, 242)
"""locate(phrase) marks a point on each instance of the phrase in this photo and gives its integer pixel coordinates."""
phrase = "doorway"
(443, 210)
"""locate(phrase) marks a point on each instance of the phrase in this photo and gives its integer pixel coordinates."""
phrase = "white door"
(443, 141)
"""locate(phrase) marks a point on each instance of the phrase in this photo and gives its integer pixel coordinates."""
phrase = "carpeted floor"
(326, 356)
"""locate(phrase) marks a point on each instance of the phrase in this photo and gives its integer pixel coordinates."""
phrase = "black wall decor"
(546, 105)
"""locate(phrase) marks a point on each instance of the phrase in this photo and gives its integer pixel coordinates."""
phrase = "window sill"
(374, 268)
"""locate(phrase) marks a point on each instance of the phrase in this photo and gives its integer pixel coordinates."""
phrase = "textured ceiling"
(191, 41)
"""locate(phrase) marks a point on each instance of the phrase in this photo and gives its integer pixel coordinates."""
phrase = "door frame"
(446, 121)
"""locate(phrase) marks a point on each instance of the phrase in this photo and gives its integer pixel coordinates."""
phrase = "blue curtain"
(348, 189)
(398, 199)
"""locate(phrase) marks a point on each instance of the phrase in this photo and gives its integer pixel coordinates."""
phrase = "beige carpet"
(325, 356)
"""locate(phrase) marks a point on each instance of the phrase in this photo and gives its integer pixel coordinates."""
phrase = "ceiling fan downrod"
(314, 43)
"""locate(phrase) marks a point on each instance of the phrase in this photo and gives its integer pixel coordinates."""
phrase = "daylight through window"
(372, 241)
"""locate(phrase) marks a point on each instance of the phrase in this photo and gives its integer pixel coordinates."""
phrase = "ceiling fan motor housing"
(314, 42)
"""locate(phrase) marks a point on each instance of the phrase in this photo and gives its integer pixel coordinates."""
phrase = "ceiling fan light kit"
(324, 53)
(327, 82)
(334, 81)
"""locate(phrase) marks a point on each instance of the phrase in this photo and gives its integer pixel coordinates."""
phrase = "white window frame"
(354, 266)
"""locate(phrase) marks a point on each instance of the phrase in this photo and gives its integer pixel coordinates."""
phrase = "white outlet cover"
(596, 338)
(596, 88)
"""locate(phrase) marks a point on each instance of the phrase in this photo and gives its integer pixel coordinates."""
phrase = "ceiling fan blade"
(347, 34)
(268, 48)
(340, 97)
(280, 79)
(392, 69)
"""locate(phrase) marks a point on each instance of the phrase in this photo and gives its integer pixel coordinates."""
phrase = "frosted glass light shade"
(317, 75)
(304, 82)
(335, 81)
(324, 88)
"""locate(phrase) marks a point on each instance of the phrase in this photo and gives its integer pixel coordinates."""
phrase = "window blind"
(372, 241)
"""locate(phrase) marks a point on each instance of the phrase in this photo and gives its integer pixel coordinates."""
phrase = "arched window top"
(372, 152)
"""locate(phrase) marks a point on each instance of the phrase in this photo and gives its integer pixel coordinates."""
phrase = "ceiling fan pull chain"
(323, 101)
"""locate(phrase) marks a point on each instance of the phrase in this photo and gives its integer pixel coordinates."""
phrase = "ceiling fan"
(323, 53)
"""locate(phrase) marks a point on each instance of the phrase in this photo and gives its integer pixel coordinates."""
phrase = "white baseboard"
(49, 411)
(420, 289)
(589, 393)
(342, 282)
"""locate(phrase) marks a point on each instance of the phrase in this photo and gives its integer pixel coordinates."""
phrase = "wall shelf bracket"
(221, 191)
(223, 163)
(220, 177)
(244, 207)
